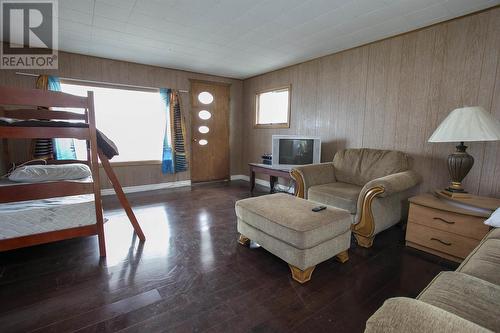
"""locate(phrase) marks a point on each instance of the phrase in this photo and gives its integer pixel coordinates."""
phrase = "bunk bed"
(74, 206)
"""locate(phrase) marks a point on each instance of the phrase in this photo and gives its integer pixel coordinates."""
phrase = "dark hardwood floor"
(192, 275)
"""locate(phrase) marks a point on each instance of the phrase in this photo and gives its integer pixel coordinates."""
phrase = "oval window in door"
(205, 97)
(203, 129)
(203, 142)
(204, 114)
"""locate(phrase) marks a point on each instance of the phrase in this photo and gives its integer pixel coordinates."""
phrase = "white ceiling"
(240, 38)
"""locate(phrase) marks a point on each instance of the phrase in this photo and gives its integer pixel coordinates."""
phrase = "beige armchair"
(371, 184)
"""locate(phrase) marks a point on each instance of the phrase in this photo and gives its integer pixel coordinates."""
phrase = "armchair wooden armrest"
(310, 175)
(364, 226)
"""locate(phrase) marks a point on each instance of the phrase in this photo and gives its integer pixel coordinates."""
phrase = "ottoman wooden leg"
(244, 240)
(343, 256)
(301, 276)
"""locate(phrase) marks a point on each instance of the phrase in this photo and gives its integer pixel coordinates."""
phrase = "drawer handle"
(440, 241)
(443, 220)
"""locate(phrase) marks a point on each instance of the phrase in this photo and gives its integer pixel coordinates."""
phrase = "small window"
(272, 108)
(203, 129)
(204, 114)
(205, 97)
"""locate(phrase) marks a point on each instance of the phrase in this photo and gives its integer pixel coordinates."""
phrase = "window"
(272, 108)
(205, 97)
(204, 114)
(133, 119)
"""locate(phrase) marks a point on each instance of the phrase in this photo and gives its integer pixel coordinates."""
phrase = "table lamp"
(464, 125)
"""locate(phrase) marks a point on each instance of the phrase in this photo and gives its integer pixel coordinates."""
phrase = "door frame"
(191, 107)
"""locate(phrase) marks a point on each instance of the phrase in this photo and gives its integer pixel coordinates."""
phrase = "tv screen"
(296, 151)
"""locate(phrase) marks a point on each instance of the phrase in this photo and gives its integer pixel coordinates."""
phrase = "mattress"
(37, 216)
(7, 182)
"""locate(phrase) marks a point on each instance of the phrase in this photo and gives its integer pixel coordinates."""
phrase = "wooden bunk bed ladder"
(121, 195)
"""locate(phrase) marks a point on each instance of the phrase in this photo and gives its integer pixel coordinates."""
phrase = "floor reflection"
(133, 258)
(122, 243)
(206, 247)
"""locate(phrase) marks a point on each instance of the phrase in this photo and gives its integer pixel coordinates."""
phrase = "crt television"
(294, 150)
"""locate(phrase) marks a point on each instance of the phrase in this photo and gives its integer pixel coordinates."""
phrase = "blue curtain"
(64, 149)
(167, 164)
(53, 83)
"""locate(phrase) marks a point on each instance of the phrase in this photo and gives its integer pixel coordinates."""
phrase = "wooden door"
(210, 131)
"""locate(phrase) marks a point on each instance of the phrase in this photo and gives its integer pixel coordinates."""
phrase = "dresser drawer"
(464, 225)
(442, 241)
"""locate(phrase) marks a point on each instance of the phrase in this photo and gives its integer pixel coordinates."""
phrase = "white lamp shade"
(467, 124)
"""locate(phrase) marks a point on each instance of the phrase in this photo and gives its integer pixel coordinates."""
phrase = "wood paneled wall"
(105, 70)
(392, 94)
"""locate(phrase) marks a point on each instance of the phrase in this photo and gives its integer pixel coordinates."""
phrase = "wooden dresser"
(442, 228)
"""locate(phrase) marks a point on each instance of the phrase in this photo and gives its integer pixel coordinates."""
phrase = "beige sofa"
(467, 300)
(371, 184)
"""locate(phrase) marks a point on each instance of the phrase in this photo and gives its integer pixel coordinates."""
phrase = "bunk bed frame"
(33, 191)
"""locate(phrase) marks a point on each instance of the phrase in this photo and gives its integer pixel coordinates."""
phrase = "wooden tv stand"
(273, 173)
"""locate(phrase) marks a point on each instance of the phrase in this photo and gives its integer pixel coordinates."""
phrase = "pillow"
(494, 220)
(47, 173)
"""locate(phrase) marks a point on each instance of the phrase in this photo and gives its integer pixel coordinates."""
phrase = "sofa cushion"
(291, 220)
(484, 261)
(466, 296)
(408, 315)
(359, 166)
(493, 234)
(338, 194)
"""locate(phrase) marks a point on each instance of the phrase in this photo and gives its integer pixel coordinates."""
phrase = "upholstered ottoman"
(287, 227)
